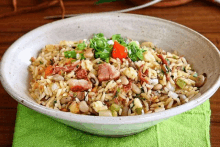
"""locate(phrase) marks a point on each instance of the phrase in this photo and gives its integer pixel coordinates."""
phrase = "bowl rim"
(106, 120)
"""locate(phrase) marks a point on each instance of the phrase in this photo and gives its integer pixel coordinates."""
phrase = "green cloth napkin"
(190, 129)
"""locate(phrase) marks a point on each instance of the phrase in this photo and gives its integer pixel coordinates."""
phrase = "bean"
(157, 87)
(200, 80)
(124, 80)
(58, 77)
(93, 79)
(136, 89)
(65, 100)
(83, 107)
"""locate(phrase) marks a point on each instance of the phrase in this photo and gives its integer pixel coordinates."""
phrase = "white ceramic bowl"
(199, 51)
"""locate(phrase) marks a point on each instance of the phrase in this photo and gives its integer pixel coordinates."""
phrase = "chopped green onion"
(168, 61)
(102, 49)
(70, 54)
(107, 60)
(41, 62)
(114, 113)
(195, 75)
(117, 92)
(138, 111)
(134, 52)
(119, 39)
(82, 56)
(181, 83)
(81, 46)
(115, 107)
(73, 61)
(184, 69)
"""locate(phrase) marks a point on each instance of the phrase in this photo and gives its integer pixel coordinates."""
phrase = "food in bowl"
(111, 77)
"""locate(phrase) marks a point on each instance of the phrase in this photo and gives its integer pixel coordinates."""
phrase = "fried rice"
(118, 78)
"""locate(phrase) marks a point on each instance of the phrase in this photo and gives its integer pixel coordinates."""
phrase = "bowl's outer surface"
(198, 50)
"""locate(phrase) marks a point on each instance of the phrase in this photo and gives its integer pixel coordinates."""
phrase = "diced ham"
(69, 68)
(81, 74)
(80, 95)
(107, 72)
(57, 69)
(79, 85)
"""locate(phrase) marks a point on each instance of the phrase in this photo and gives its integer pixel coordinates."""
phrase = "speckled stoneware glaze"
(197, 49)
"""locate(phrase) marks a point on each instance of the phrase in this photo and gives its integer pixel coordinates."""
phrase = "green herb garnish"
(119, 39)
(82, 56)
(73, 61)
(102, 48)
(134, 52)
(81, 46)
(115, 107)
(70, 54)
(41, 62)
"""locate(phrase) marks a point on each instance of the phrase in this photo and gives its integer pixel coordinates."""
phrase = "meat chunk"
(79, 85)
(81, 74)
(107, 72)
(69, 68)
(80, 95)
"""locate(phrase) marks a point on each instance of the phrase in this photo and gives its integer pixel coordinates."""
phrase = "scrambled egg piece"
(137, 104)
(98, 106)
(149, 57)
(87, 64)
(130, 73)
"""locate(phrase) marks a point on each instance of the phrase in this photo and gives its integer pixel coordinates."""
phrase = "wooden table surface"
(201, 16)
